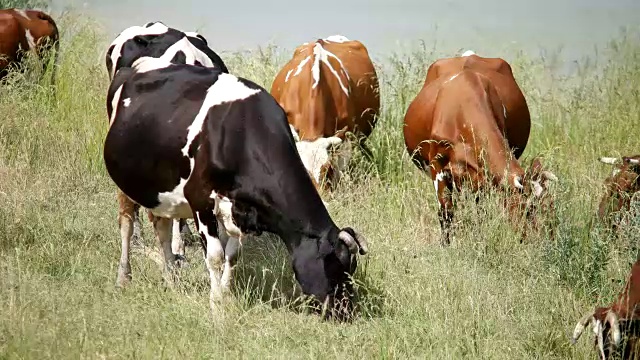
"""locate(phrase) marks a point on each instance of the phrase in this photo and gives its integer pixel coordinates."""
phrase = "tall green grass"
(485, 296)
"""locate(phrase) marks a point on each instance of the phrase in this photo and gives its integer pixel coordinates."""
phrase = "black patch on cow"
(179, 58)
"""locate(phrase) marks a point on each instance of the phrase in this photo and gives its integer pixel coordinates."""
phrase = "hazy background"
(487, 26)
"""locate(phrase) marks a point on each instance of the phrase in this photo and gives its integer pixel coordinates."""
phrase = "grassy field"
(487, 296)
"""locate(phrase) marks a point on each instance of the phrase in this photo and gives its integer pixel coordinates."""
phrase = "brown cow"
(608, 321)
(328, 88)
(459, 127)
(26, 30)
(620, 186)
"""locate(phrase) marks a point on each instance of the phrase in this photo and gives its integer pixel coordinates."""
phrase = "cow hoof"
(124, 276)
(180, 261)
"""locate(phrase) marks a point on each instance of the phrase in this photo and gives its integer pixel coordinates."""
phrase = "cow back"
(498, 71)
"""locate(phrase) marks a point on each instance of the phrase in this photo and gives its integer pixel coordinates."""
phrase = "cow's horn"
(517, 183)
(354, 241)
(349, 241)
(609, 160)
(580, 326)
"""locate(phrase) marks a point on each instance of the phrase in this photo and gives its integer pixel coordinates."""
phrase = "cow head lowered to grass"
(620, 186)
(193, 142)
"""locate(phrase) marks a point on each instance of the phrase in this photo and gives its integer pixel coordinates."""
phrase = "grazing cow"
(621, 185)
(27, 30)
(457, 128)
(610, 323)
(328, 88)
(194, 142)
(155, 39)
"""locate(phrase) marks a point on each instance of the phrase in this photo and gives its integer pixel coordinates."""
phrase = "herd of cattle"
(189, 140)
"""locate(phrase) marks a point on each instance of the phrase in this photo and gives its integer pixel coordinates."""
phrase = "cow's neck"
(296, 212)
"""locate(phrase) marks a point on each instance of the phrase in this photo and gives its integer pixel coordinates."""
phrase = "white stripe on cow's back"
(298, 68)
(468, 53)
(128, 34)
(22, 13)
(322, 55)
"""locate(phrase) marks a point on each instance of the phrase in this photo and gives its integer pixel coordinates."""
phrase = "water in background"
(489, 27)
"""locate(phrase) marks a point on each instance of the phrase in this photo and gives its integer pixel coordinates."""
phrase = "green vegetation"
(487, 296)
(25, 4)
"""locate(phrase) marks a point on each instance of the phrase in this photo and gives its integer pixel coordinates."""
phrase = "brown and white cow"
(328, 88)
(609, 323)
(470, 123)
(26, 30)
(621, 185)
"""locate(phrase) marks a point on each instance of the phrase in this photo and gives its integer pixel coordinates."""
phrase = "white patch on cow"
(454, 76)
(128, 34)
(22, 13)
(296, 137)
(504, 111)
(173, 204)
(146, 64)
(214, 259)
(126, 102)
(322, 56)
(30, 40)
(439, 177)
(298, 68)
(337, 39)
(192, 53)
(286, 79)
(468, 53)
(177, 245)
(114, 104)
(634, 161)
(226, 89)
(315, 154)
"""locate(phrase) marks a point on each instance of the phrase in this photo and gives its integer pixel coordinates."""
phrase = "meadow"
(487, 296)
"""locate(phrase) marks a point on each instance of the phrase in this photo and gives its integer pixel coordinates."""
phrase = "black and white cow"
(193, 142)
(155, 39)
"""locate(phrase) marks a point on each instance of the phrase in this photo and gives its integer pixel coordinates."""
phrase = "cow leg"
(207, 226)
(445, 215)
(126, 213)
(136, 237)
(178, 241)
(231, 247)
(443, 187)
(162, 227)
